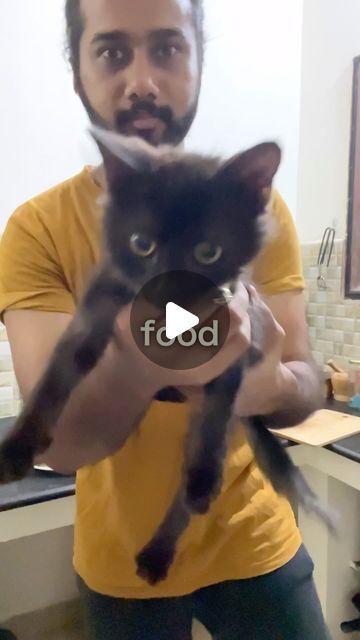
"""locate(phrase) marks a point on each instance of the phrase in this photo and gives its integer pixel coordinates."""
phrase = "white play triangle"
(178, 320)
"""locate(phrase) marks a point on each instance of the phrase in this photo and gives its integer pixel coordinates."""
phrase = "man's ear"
(256, 167)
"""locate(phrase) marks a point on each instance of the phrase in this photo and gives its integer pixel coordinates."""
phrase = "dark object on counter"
(349, 627)
(7, 635)
(328, 389)
(353, 625)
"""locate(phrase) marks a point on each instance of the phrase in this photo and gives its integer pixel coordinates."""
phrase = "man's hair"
(75, 26)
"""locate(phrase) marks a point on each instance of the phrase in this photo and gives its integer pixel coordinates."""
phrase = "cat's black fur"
(177, 200)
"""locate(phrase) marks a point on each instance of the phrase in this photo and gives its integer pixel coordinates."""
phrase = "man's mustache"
(124, 118)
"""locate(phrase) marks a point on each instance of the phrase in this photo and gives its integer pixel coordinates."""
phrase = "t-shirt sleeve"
(31, 276)
(278, 267)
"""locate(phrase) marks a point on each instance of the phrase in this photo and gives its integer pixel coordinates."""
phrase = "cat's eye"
(206, 253)
(142, 246)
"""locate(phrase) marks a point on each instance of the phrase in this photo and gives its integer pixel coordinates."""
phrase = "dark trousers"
(282, 605)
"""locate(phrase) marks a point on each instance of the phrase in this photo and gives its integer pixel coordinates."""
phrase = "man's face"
(139, 67)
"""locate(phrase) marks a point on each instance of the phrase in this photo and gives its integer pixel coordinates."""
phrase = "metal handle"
(327, 247)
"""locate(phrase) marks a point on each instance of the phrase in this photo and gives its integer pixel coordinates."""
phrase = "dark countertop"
(349, 447)
(43, 486)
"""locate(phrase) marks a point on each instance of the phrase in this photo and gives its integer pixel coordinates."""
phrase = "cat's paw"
(202, 487)
(16, 460)
(154, 562)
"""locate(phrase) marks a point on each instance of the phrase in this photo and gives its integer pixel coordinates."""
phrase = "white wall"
(36, 572)
(251, 92)
(41, 120)
(331, 39)
(251, 89)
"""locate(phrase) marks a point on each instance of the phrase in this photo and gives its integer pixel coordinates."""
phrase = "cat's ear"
(120, 156)
(124, 155)
(256, 167)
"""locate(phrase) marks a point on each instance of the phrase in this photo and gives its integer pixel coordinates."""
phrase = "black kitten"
(167, 211)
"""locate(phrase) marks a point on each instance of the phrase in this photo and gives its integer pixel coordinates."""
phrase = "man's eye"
(113, 54)
(166, 52)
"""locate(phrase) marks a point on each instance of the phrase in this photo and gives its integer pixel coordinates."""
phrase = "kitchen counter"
(349, 447)
(38, 487)
(43, 486)
(37, 516)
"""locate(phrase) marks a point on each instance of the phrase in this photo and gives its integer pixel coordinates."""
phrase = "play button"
(178, 320)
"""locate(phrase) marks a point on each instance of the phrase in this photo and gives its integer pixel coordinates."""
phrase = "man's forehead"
(135, 16)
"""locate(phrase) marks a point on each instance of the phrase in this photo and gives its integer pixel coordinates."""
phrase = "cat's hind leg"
(155, 560)
(207, 441)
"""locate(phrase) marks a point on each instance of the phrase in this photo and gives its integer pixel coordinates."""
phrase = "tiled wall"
(334, 322)
(9, 393)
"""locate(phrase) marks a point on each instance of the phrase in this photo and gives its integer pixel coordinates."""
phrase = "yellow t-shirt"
(48, 250)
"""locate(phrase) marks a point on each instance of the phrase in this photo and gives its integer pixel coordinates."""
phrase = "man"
(240, 569)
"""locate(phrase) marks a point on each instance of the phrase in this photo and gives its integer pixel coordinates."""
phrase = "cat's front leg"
(207, 440)
(77, 353)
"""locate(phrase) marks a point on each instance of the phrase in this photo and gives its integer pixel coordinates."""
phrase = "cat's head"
(169, 210)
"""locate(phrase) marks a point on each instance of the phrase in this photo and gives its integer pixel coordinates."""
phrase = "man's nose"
(141, 82)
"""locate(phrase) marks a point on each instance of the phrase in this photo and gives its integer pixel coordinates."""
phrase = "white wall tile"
(334, 323)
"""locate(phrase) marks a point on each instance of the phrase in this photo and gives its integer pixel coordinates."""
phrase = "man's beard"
(175, 131)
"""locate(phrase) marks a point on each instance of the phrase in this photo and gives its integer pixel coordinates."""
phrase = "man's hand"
(263, 384)
(286, 393)
(153, 377)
